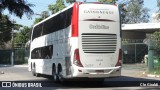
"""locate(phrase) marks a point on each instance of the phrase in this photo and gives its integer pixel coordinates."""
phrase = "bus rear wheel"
(38, 75)
(54, 75)
(60, 76)
(33, 70)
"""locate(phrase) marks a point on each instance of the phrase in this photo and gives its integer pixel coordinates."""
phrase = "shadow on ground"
(123, 81)
(120, 83)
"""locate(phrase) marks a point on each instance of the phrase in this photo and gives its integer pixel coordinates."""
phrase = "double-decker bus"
(81, 41)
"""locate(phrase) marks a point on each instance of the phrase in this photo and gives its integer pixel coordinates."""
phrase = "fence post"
(150, 55)
(12, 54)
(135, 52)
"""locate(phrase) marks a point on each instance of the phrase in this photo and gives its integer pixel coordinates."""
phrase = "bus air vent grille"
(99, 42)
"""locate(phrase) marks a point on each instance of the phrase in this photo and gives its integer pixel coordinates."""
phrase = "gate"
(134, 52)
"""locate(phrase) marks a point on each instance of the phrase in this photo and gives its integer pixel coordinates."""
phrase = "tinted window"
(42, 52)
(58, 22)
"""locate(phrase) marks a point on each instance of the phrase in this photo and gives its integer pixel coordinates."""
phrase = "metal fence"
(153, 61)
(5, 57)
(20, 56)
(147, 51)
(132, 53)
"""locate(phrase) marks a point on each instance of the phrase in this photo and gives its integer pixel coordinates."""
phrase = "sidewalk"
(137, 70)
(24, 65)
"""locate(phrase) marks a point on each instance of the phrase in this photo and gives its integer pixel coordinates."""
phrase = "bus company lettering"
(99, 11)
(96, 26)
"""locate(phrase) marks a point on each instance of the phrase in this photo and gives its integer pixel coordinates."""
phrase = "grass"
(156, 71)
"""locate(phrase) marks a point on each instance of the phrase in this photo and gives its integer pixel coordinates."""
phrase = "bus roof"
(65, 10)
(53, 15)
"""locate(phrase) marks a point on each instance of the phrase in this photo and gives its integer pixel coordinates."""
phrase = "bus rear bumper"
(97, 72)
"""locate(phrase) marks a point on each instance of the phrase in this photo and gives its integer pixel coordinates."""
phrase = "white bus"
(80, 41)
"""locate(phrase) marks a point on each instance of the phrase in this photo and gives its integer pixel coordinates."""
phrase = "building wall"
(133, 35)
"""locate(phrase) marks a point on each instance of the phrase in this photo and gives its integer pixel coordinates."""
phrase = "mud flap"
(68, 65)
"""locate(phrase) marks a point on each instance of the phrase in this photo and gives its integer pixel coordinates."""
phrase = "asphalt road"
(125, 82)
(17, 73)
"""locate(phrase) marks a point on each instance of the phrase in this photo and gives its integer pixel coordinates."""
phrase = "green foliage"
(158, 5)
(123, 10)
(56, 7)
(136, 13)
(70, 1)
(5, 29)
(17, 7)
(108, 1)
(23, 36)
(37, 20)
(156, 38)
(43, 15)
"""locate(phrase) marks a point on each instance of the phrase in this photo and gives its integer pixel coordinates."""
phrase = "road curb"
(151, 75)
(5, 65)
(14, 65)
(20, 65)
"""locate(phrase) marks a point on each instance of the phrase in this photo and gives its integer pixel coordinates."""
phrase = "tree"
(157, 15)
(108, 1)
(158, 5)
(56, 7)
(22, 37)
(70, 1)
(43, 15)
(155, 38)
(17, 7)
(136, 13)
(5, 28)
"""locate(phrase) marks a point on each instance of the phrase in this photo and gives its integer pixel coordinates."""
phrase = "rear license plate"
(99, 71)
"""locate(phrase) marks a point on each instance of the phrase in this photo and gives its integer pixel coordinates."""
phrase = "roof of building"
(145, 27)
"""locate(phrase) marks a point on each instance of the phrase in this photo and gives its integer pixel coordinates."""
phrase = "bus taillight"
(119, 58)
(76, 60)
(75, 20)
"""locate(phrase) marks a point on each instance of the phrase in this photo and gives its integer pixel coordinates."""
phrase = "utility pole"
(12, 54)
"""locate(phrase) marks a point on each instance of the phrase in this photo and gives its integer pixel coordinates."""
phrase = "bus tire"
(54, 75)
(37, 74)
(60, 76)
(33, 70)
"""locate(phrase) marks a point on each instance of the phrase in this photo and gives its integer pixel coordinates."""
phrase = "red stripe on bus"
(75, 20)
